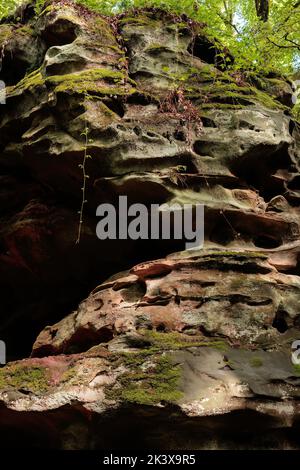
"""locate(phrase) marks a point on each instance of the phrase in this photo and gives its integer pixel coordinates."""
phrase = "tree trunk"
(262, 9)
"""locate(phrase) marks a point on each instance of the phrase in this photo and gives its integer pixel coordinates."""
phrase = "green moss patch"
(6, 32)
(92, 74)
(296, 368)
(69, 374)
(148, 384)
(26, 30)
(32, 80)
(160, 341)
(256, 362)
(140, 20)
(231, 95)
(238, 254)
(93, 81)
(32, 378)
(151, 375)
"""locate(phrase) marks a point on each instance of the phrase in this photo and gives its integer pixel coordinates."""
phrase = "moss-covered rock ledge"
(206, 383)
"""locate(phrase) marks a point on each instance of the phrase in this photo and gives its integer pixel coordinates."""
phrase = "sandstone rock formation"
(181, 349)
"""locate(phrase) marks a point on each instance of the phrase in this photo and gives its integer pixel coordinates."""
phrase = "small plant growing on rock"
(179, 107)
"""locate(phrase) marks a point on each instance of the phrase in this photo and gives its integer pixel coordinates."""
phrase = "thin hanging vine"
(85, 177)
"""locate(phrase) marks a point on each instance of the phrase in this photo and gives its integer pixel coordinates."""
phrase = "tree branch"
(293, 45)
(226, 21)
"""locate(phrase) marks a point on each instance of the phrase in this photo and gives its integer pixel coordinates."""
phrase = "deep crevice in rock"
(280, 322)
(257, 168)
(60, 33)
(202, 48)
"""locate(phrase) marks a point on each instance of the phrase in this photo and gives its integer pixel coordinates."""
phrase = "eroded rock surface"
(239, 297)
(186, 350)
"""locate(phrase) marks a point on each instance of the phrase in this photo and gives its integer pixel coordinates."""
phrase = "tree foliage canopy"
(261, 34)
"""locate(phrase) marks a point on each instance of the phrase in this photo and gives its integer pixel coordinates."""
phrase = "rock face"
(183, 349)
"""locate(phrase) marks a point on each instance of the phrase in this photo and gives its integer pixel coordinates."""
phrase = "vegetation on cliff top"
(261, 34)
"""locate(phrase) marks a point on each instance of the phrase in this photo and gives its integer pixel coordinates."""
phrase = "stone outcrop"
(185, 349)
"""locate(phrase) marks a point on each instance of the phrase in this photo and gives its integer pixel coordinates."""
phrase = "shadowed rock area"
(120, 341)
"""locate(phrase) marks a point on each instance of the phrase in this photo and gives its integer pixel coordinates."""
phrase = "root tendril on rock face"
(85, 177)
